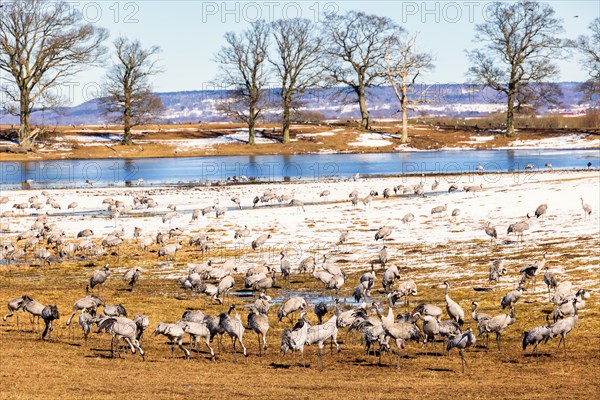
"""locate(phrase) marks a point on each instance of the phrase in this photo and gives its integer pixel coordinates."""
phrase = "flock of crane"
(379, 328)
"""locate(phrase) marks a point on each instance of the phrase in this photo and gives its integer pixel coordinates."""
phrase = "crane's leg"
(462, 359)
(499, 340)
(212, 352)
(559, 342)
(565, 346)
(259, 345)
(265, 347)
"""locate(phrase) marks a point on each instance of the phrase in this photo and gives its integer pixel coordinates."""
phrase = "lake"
(199, 170)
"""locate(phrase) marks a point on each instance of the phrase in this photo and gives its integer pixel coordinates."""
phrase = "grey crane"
(16, 305)
(72, 206)
(566, 308)
(540, 211)
(85, 233)
(259, 241)
(88, 304)
(255, 201)
(86, 321)
(354, 201)
(290, 306)
(195, 215)
(265, 283)
(477, 316)
(225, 285)
(435, 185)
(325, 193)
(537, 335)
(400, 332)
(510, 298)
(49, 314)
(242, 233)
(35, 309)
(299, 204)
(234, 328)
(429, 309)
(121, 328)
(518, 228)
(454, 310)
(564, 326)
(389, 277)
(361, 290)
(587, 210)
(408, 218)
(405, 289)
(529, 272)
(306, 264)
(491, 232)
(297, 338)
(284, 266)
(496, 270)
(383, 256)
(99, 277)
(383, 233)
(175, 335)
(439, 210)
(320, 310)
(262, 304)
(131, 276)
(319, 334)
(386, 193)
(237, 202)
(259, 323)
(343, 237)
(169, 250)
(198, 330)
(114, 310)
(497, 325)
(550, 281)
(461, 342)
(220, 211)
(432, 327)
(455, 214)
(473, 189)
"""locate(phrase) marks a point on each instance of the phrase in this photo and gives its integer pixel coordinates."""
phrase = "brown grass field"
(67, 367)
(430, 134)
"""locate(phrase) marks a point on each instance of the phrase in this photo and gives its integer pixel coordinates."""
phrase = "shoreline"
(231, 140)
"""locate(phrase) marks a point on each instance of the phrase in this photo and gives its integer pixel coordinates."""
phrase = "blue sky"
(191, 32)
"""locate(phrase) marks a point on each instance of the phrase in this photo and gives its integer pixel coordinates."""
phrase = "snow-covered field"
(505, 199)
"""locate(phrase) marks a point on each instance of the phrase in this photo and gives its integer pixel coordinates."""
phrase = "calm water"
(198, 170)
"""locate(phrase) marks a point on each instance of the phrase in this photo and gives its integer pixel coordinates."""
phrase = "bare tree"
(589, 48)
(519, 48)
(355, 49)
(403, 63)
(242, 67)
(297, 61)
(41, 44)
(128, 90)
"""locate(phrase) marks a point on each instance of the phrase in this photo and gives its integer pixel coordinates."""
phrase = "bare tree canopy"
(297, 62)
(128, 89)
(519, 47)
(41, 44)
(243, 68)
(589, 49)
(403, 64)
(355, 50)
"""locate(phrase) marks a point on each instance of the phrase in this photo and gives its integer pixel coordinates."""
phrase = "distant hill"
(456, 100)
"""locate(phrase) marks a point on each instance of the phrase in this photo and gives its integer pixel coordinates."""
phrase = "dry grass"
(67, 367)
(424, 134)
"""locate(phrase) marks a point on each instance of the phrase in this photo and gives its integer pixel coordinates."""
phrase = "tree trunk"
(251, 124)
(362, 102)
(404, 106)
(510, 123)
(24, 128)
(286, 121)
(127, 121)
